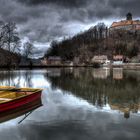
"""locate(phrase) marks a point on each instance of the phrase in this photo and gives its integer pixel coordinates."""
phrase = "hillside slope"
(7, 58)
(98, 40)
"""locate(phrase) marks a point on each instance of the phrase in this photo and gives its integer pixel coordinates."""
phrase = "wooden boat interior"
(11, 93)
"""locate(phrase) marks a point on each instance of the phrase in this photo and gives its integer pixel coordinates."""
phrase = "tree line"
(98, 40)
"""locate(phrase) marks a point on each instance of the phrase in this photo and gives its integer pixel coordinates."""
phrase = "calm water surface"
(78, 104)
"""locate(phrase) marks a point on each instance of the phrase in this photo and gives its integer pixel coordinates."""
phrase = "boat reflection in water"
(26, 110)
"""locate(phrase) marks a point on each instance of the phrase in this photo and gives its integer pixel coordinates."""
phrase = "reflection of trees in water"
(15, 78)
(6, 78)
(27, 78)
(122, 93)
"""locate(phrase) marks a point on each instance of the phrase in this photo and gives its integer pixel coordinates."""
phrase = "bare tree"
(16, 46)
(1, 39)
(28, 49)
(9, 36)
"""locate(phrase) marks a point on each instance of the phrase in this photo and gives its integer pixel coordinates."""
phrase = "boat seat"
(6, 99)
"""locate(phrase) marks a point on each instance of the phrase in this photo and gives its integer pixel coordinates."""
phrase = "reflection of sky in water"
(36, 78)
(64, 116)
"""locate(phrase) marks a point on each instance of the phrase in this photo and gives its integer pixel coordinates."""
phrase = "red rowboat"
(25, 110)
(12, 98)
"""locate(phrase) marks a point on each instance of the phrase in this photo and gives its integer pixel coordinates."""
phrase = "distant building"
(102, 59)
(52, 60)
(68, 63)
(128, 24)
(43, 61)
(118, 59)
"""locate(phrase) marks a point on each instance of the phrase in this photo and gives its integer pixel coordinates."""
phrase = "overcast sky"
(42, 21)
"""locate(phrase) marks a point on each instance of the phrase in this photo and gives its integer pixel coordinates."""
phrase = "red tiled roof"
(115, 57)
(125, 23)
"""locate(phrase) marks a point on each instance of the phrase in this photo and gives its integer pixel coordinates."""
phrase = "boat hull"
(18, 103)
(22, 110)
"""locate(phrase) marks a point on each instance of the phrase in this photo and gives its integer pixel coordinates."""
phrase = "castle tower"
(129, 16)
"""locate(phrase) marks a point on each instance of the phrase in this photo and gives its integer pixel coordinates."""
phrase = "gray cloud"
(126, 6)
(46, 20)
(65, 3)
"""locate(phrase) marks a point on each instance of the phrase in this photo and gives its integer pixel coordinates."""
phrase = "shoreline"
(135, 66)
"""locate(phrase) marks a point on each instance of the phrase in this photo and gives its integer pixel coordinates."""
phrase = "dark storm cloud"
(67, 3)
(129, 6)
(46, 20)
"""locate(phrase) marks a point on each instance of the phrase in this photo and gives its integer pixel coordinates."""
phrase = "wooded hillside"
(97, 40)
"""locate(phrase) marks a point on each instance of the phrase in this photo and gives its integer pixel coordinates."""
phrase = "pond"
(77, 104)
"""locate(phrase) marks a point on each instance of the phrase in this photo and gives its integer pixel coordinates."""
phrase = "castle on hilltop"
(128, 24)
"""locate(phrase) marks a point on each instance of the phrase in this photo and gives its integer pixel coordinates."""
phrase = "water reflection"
(118, 73)
(101, 87)
(78, 103)
(101, 73)
(23, 78)
(15, 78)
(117, 88)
